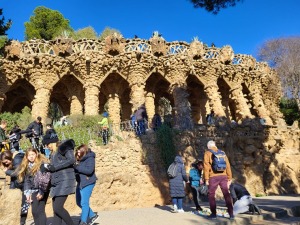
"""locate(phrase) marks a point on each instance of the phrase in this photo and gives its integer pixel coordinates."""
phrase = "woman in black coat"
(86, 180)
(62, 179)
(177, 191)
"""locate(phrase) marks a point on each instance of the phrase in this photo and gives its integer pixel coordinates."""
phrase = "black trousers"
(60, 213)
(196, 196)
(38, 209)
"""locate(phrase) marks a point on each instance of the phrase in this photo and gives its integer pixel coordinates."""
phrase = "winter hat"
(51, 138)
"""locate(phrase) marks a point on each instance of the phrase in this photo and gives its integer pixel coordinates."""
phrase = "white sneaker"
(175, 208)
(180, 210)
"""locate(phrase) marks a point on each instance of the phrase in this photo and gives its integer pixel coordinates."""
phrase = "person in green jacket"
(3, 137)
(104, 128)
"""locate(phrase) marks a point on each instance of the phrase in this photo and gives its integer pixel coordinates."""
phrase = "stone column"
(2, 100)
(91, 100)
(242, 109)
(214, 99)
(40, 103)
(150, 106)
(259, 106)
(76, 106)
(137, 95)
(114, 108)
(183, 108)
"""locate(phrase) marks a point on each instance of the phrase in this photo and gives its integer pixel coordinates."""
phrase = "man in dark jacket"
(242, 200)
(35, 131)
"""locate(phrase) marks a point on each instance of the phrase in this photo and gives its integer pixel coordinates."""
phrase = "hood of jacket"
(88, 155)
(66, 145)
(178, 159)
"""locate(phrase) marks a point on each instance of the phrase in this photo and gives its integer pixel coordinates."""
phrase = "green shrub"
(165, 142)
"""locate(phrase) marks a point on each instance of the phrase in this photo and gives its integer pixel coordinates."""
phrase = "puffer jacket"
(85, 170)
(63, 178)
(176, 183)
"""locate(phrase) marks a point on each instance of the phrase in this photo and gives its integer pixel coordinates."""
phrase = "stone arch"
(157, 87)
(227, 103)
(68, 93)
(114, 90)
(246, 93)
(20, 94)
(197, 99)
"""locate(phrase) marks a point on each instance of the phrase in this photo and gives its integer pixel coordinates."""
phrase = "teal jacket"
(195, 177)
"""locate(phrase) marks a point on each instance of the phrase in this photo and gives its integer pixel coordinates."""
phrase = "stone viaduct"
(82, 76)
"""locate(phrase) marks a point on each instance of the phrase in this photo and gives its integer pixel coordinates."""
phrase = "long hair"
(83, 151)
(6, 155)
(24, 169)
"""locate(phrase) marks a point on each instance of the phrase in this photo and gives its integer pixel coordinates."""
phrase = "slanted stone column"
(214, 99)
(40, 103)
(259, 107)
(76, 106)
(150, 105)
(242, 109)
(183, 109)
(114, 108)
(137, 95)
(91, 100)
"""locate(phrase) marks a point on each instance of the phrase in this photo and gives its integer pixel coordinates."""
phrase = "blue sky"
(245, 27)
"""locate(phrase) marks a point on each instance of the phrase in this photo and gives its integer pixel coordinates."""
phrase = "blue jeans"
(177, 201)
(83, 201)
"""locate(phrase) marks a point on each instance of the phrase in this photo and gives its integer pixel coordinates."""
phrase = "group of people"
(33, 132)
(139, 121)
(65, 172)
(204, 178)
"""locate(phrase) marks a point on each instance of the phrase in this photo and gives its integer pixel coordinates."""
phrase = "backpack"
(172, 170)
(218, 161)
(42, 180)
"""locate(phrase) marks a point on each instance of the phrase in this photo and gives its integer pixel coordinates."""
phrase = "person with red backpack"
(217, 172)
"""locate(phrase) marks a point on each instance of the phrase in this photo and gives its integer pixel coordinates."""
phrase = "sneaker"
(231, 217)
(212, 217)
(83, 223)
(93, 219)
(199, 208)
(175, 209)
(180, 210)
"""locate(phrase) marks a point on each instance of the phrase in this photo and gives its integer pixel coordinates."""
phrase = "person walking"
(195, 179)
(86, 180)
(242, 200)
(62, 178)
(177, 191)
(36, 184)
(10, 163)
(217, 173)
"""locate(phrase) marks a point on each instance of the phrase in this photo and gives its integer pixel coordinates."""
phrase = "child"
(36, 184)
(86, 179)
